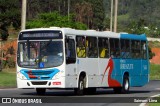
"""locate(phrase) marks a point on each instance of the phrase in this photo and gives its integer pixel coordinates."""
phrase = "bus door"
(70, 56)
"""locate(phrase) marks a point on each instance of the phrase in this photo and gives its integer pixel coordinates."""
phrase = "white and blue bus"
(82, 60)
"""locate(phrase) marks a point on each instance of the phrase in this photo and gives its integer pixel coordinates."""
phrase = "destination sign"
(36, 35)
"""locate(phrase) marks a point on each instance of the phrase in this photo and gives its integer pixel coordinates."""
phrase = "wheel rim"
(81, 85)
(126, 85)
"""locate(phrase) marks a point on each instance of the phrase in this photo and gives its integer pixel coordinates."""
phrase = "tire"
(81, 86)
(125, 87)
(41, 91)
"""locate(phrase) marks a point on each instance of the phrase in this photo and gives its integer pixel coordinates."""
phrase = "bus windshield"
(40, 54)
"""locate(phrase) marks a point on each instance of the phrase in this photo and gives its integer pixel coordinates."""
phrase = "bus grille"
(41, 73)
(39, 83)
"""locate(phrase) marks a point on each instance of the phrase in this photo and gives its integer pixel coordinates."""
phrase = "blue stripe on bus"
(133, 36)
(47, 74)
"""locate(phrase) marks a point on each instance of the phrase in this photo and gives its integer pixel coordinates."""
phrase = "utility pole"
(115, 16)
(1, 64)
(111, 26)
(23, 17)
(68, 9)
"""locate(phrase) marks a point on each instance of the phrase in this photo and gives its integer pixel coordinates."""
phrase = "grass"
(155, 104)
(7, 78)
(154, 44)
(154, 72)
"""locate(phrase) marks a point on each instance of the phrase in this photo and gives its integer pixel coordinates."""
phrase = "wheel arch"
(126, 73)
(84, 75)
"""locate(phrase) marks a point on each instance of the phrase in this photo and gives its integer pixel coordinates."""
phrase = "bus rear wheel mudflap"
(41, 91)
(125, 86)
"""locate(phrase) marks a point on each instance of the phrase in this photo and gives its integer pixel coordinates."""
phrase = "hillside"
(134, 15)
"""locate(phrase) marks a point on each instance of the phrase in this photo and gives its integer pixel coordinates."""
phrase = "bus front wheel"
(40, 91)
(81, 86)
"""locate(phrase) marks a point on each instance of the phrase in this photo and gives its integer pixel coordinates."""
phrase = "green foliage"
(4, 63)
(154, 72)
(4, 34)
(154, 44)
(10, 62)
(106, 23)
(93, 13)
(54, 19)
(132, 13)
(136, 27)
(11, 50)
(151, 54)
(9, 15)
(7, 79)
(98, 14)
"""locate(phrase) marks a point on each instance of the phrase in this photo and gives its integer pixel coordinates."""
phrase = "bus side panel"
(117, 73)
(133, 66)
(145, 72)
(138, 76)
(103, 63)
(71, 76)
(90, 67)
(112, 74)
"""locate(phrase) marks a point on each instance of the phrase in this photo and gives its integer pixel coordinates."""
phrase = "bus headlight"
(56, 76)
(21, 76)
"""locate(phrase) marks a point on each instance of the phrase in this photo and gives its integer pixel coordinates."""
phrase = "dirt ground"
(156, 58)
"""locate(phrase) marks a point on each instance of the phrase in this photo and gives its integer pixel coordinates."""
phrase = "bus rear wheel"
(81, 86)
(125, 87)
(40, 91)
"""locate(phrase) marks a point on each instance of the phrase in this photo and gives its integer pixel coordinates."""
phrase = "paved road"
(152, 88)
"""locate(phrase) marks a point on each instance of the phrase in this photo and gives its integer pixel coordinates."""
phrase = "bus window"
(125, 48)
(70, 51)
(143, 50)
(136, 49)
(80, 46)
(114, 48)
(103, 47)
(91, 45)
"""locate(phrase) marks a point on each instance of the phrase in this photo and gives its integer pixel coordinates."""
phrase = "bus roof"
(109, 34)
(70, 31)
(133, 36)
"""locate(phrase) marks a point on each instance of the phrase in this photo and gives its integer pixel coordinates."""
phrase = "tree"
(137, 27)
(98, 14)
(55, 19)
(9, 15)
(84, 13)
